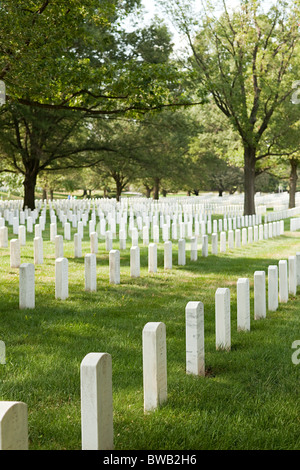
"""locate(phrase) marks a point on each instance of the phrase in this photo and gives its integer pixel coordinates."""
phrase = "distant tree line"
(91, 106)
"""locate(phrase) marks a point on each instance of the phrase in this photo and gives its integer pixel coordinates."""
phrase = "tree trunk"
(221, 192)
(29, 191)
(156, 189)
(44, 194)
(148, 191)
(164, 192)
(293, 183)
(249, 180)
(118, 190)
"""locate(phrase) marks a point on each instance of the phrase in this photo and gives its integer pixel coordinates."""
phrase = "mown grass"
(249, 398)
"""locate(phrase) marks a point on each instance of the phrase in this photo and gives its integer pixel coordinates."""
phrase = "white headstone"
(42, 222)
(135, 261)
(122, 239)
(29, 224)
(237, 238)
(283, 281)
(26, 286)
(15, 224)
(77, 246)
(298, 267)
(244, 236)
(204, 245)
(259, 295)
(80, 229)
(94, 242)
(222, 318)
(181, 252)
(156, 234)
(209, 226)
(270, 230)
(281, 227)
(38, 253)
(108, 240)
(22, 235)
(214, 243)
(90, 272)
(222, 242)
(61, 279)
(250, 234)
(114, 267)
(15, 253)
(13, 425)
(59, 246)
(53, 231)
(152, 258)
(181, 230)
(230, 240)
(165, 232)
(154, 365)
(102, 227)
(292, 275)
(134, 237)
(168, 255)
(194, 248)
(37, 230)
(243, 304)
(194, 320)
(96, 402)
(272, 288)
(3, 237)
(174, 231)
(91, 227)
(67, 231)
(145, 235)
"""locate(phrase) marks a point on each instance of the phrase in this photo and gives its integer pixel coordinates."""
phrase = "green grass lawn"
(249, 398)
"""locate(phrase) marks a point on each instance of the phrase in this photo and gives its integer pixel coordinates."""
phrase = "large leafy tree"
(163, 156)
(152, 150)
(118, 166)
(246, 59)
(64, 63)
(75, 55)
(215, 153)
(33, 140)
(283, 147)
(56, 53)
